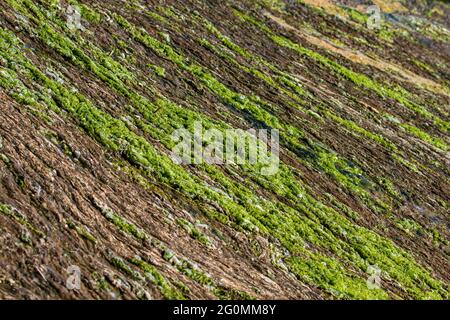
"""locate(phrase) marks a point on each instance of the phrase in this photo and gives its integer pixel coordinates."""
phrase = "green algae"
(298, 92)
(20, 218)
(110, 132)
(356, 16)
(194, 273)
(151, 273)
(422, 135)
(122, 224)
(113, 127)
(193, 231)
(82, 231)
(398, 94)
(323, 158)
(159, 71)
(408, 225)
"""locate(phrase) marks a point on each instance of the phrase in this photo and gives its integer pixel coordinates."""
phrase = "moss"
(390, 188)
(356, 16)
(194, 273)
(113, 145)
(230, 97)
(110, 128)
(298, 92)
(438, 238)
(353, 215)
(183, 287)
(275, 5)
(20, 218)
(82, 231)
(357, 129)
(408, 225)
(386, 34)
(398, 94)
(19, 92)
(282, 76)
(406, 163)
(160, 71)
(223, 293)
(101, 283)
(337, 283)
(292, 223)
(87, 12)
(257, 73)
(122, 224)
(423, 66)
(157, 17)
(193, 232)
(4, 158)
(425, 137)
(120, 264)
(59, 142)
(167, 11)
(324, 159)
(90, 15)
(167, 291)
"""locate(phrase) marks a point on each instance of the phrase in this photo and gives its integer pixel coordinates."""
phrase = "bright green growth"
(86, 12)
(123, 225)
(324, 159)
(398, 94)
(155, 277)
(408, 225)
(357, 129)
(120, 264)
(160, 71)
(64, 47)
(17, 216)
(356, 16)
(193, 231)
(422, 135)
(390, 188)
(167, 11)
(197, 275)
(282, 76)
(423, 66)
(438, 238)
(82, 231)
(287, 80)
(156, 17)
(288, 228)
(336, 282)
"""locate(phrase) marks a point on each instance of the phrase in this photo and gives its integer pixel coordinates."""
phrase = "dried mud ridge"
(86, 115)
